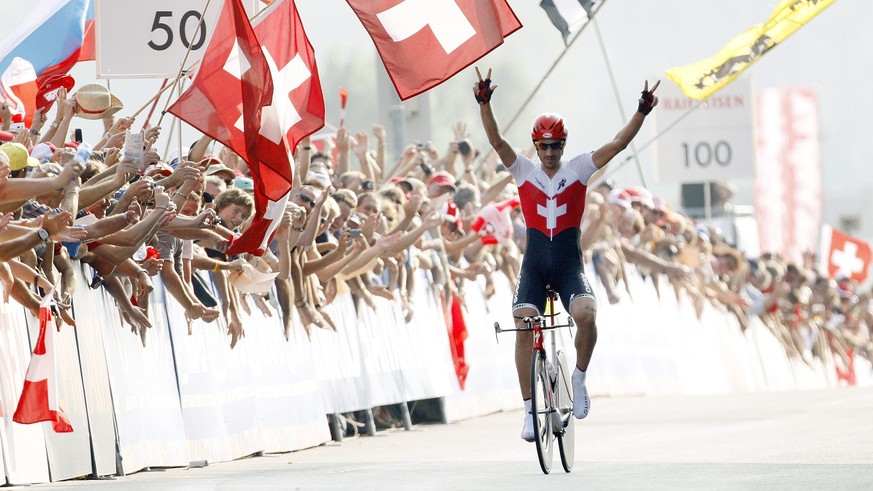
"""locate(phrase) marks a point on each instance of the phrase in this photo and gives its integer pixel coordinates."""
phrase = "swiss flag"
(296, 111)
(298, 102)
(233, 83)
(39, 397)
(18, 89)
(844, 255)
(423, 43)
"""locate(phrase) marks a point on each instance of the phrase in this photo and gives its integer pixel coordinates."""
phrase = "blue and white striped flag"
(569, 15)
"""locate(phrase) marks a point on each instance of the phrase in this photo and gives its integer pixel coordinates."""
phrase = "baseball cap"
(219, 168)
(443, 178)
(18, 156)
(244, 183)
(43, 152)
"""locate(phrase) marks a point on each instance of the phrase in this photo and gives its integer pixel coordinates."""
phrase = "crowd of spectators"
(355, 222)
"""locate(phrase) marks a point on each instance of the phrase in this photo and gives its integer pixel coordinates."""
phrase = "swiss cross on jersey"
(425, 42)
(552, 205)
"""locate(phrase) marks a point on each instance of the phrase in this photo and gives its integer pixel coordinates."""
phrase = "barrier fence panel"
(428, 369)
(382, 377)
(337, 358)
(95, 375)
(492, 382)
(24, 452)
(260, 396)
(145, 395)
(69, 454)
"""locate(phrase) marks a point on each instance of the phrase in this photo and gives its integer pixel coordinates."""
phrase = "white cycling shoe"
(581, 403)
(527, 431)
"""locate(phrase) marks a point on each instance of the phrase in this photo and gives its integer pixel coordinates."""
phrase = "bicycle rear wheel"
(564, 405)
(541, 402)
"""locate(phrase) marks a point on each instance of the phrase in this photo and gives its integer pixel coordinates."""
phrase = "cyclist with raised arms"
(552, 193)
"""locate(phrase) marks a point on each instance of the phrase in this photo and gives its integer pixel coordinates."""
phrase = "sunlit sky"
(642, 39)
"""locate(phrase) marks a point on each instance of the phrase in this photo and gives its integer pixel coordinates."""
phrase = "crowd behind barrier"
(185, 398)
(380, 287)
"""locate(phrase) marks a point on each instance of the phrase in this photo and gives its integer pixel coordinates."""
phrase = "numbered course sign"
(149, 39)
(714, 141)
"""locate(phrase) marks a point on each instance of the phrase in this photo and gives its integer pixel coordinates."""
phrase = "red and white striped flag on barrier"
(39, 397)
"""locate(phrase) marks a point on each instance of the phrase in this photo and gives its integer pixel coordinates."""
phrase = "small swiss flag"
(844, 255)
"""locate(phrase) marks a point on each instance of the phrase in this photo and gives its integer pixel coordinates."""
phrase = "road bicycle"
(551, 393)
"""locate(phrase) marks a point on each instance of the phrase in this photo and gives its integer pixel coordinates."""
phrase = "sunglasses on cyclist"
(558, 145)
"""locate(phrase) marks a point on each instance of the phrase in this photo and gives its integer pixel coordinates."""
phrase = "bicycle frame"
(552, 365)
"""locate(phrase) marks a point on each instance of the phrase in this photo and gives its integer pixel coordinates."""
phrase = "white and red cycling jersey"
(553, 205)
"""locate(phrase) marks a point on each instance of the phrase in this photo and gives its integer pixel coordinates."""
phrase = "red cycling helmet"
(549, 126)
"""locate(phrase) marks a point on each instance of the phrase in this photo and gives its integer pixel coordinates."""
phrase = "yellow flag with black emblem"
(702, 79)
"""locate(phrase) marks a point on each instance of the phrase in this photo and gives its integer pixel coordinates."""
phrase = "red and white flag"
(226, 100)
(39, 397)
(844, 255)
(297, 111)
(18, 89)
(423, 43)
(233, 83)
(298, 101)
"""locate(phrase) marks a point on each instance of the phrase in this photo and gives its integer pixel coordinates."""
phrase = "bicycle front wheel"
(564, 405)
(541, 401)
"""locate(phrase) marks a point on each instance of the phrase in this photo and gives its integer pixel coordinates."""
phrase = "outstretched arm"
(483, 90)
(647, 102)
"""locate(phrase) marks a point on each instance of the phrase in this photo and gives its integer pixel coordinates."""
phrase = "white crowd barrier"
(185, 398)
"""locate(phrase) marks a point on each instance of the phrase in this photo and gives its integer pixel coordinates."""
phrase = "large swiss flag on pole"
(39, 397)
(296, 111)
(233, 83)
(844, 255)
(423, 43)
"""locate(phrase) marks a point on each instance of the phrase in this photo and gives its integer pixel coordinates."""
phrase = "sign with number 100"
(705, 142)
(151, 39)
(705, 154)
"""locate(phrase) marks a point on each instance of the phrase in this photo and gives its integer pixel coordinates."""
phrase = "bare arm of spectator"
(407, 161)
(66, 111)
(410, 208)
(357, 246)
(360, 145)
(16, 240)
(26, 188)
(314, 266)
(304, 160)
(197, 152)
(92, 192)
(654, 262)
(495, 189)
(342, 145)
(380, 135)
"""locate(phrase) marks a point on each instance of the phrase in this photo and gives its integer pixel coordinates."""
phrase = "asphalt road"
(778, 440)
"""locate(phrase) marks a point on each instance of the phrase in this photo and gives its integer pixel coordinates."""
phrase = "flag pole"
(182, 70)
(543, 79)
(635, 153)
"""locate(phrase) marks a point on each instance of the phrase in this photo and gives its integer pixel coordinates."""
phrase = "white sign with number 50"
(149, 39)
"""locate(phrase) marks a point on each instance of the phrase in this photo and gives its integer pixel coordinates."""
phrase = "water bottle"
(83, 153)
